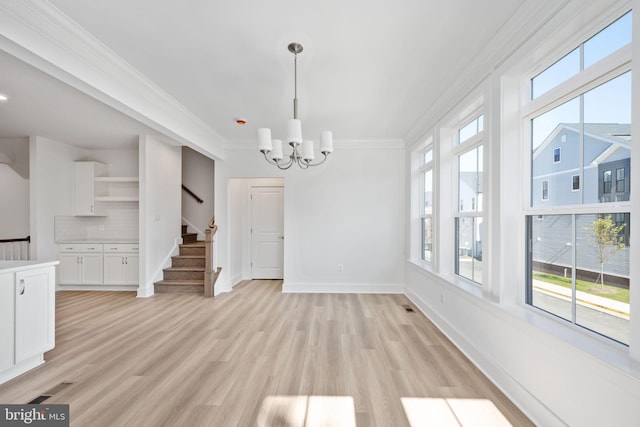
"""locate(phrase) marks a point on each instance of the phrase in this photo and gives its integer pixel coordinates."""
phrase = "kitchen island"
(27, 315)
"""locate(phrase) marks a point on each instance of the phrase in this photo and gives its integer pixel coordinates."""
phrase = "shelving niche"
(93, 186)
(117, 188)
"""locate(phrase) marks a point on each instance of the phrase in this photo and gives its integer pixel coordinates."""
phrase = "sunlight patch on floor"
(307, 411)
(453, 412)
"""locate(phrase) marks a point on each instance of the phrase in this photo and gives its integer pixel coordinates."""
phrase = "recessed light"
(3, 97)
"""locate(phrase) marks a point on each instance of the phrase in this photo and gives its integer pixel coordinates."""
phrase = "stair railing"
(211, 255)
(15, 249)
(192, 194)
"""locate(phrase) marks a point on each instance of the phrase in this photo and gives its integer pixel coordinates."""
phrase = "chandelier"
(302, 150)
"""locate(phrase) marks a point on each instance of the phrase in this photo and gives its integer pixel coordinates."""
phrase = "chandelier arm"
(285, 167)
(273, 162)
(320, 162)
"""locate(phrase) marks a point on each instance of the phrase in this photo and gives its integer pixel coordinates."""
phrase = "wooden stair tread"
(189, 256)
(196, 244)
(186, 282)
(183, 269)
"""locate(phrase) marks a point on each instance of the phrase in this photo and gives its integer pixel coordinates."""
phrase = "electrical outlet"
(340, 268)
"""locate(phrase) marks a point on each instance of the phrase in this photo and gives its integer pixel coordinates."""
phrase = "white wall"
(51, 184)
(349, 211)
(160, 167)
(14, 193)
(197, 176)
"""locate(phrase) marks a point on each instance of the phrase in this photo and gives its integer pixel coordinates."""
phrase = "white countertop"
(9, 266)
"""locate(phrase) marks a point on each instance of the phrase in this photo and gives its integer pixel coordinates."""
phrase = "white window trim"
(614, 65)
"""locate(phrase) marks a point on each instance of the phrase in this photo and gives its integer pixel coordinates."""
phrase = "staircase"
(186, 274)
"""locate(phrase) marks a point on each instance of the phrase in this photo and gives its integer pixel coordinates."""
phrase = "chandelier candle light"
(303, 156)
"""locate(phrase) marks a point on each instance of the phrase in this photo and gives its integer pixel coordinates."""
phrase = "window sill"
(456, 281)
(610, 352)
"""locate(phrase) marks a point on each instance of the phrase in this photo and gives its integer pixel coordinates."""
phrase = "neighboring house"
(557, 180)
(556, 177)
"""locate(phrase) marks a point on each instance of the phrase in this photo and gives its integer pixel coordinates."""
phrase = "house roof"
(617, 135)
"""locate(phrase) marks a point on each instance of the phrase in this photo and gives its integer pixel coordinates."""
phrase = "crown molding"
(338, 145)
(527, 20)
(41, 35)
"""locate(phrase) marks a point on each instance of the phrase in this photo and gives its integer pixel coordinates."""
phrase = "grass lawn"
(611, 292)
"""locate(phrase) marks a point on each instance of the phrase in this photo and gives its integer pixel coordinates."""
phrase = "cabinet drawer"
(121, 247)
(81, 247)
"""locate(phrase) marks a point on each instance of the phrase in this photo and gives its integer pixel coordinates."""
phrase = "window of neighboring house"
(469, 218)
(545, 190)
(575, 182)
(620, 180)
(606, 182)
(577, 257)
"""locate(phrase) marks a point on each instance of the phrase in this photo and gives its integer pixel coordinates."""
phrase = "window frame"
(605, 70)
(426, 166)
(461, 148)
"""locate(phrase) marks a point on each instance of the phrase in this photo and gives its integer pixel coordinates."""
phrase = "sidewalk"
(605, 305)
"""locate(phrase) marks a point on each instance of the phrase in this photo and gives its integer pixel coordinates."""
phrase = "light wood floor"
(257, 357)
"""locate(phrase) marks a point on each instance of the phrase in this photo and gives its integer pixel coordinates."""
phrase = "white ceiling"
(370, 68)
(40, 105)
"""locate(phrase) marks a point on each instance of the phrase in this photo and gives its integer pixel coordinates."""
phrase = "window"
(471, 129)
(593, 50)
(606, 182)
(620, 180)
(426, 214)
(575, 182)
(468, 222)
(578, 254)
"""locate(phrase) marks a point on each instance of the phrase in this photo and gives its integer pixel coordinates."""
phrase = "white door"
(267, 232)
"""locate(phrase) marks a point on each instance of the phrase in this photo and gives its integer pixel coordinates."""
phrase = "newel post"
(208, 264)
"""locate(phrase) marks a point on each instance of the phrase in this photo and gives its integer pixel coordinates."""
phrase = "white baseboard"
(124, 288)
(342, 288)
(517, 393)
(21, 367)
(145, 292)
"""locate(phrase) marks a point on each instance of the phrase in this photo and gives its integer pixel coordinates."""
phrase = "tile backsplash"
(118, 225)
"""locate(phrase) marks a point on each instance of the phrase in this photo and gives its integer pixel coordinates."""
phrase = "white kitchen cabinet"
(80, 264)
(27, 315)
(34, 312)
(86, 189)
(121, 264)
(7, 319)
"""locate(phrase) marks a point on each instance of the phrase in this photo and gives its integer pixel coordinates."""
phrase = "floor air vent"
(408, 308)
(49, 393)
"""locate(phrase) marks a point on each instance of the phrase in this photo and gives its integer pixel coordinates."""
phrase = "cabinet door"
(7, 307)
(35, 312)
(91, 269)
(85, 188)
(69, 269)
(131, 276)
(113, 269)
